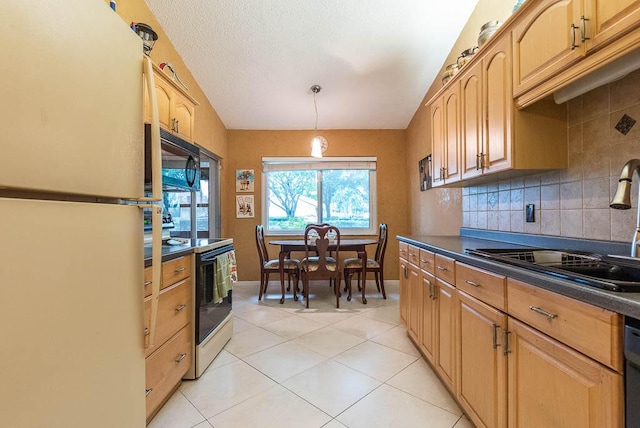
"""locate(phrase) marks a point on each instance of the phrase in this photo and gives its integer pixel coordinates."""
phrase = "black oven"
(210, 314)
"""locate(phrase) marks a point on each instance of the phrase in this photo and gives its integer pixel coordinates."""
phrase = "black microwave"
(180, 162)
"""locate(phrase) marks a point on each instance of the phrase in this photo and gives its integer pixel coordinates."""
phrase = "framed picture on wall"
(424, 168)
(244, 180)
(244, 206)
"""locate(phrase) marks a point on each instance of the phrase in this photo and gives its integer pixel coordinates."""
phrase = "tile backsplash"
(572, 202)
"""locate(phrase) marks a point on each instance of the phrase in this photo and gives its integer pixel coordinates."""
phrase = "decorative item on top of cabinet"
(171, 356)
(176, 108)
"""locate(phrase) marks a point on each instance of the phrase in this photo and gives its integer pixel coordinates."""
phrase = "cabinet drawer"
(404, 250)
(445, 269)
(591, 330)
(174, 312)
(427, 261)
(147, 281)
(175, 270)
(165, 368)
(413, 255)
(485, 286)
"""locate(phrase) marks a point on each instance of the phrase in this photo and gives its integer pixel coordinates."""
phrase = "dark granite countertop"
(625, 303)
(170, 252)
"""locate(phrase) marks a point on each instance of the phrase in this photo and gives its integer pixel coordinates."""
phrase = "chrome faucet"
(622, 199)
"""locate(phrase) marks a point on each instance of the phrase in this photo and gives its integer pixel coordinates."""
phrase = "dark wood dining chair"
(318, 264)
(375, 265)
(269, 266)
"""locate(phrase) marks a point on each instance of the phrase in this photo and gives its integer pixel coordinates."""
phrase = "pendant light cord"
(315, 106)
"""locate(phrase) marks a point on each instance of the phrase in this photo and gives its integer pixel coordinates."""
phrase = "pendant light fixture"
(319, 144)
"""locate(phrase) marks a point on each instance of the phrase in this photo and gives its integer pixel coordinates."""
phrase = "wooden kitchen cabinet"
(605, 20)
(404, 292)
(428, 331)
(565, 319)
(415, 303)
(170, 357)
(176, 108)
(445, 137)
(551, 385)
(497, 137)
(482, 361)
(445, 361)
(546, 40)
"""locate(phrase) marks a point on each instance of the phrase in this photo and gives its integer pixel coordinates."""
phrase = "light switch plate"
(530, 212)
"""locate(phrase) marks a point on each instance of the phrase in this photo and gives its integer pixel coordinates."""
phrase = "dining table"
(288, 246)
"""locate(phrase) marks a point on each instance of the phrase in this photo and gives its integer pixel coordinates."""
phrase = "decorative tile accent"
(625, 124)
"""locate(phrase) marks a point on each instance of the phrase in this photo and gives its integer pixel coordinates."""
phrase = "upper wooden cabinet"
(605, 20)
(545, 41)
(494, 136)
(445, 137)
(556, 42)
(176, 108)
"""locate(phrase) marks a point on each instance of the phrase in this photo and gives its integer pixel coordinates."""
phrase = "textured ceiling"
(257, 59)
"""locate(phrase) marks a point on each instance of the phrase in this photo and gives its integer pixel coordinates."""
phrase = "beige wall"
(439, 211)
(209, 131)
(572, 202)
(246, 149)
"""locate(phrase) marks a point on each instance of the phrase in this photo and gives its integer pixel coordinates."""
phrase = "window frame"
(344, 163)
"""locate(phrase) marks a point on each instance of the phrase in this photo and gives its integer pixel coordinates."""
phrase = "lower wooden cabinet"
(482, 362)
(509, 366)
(404, 292)
(166, 367)
(170, 356)
(551, 385)
(428, 331)
(415, 303)
(445, 362)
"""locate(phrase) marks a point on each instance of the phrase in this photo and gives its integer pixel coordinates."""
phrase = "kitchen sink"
(608, 272)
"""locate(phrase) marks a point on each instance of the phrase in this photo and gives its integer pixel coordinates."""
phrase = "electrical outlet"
(530, 213)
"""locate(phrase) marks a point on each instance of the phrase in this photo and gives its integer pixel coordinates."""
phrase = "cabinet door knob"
(147, 391)
(181, 357)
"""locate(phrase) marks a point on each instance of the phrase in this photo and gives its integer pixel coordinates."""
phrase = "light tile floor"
(288, 366)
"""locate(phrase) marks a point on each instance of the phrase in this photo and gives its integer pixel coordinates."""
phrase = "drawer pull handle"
(541, 311)
(181, 307)
(496, 327)
(430, 289)
(473, 284)
(180, 269)
(434, 294)
(148, 283)
(181, 357)
(147, 391)
(146, 331)
(505, 342)
(441, 267)
(573, 36)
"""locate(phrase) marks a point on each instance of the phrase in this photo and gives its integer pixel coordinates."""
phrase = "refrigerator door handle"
(156, 153)
(156, 266)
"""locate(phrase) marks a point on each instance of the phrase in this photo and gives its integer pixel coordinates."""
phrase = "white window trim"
(292, 163)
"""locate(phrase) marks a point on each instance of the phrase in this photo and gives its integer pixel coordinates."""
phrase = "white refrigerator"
(71, 251)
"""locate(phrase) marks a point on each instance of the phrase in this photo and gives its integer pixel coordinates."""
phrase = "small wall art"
(244, 206)
(424, 168)
(244, 180)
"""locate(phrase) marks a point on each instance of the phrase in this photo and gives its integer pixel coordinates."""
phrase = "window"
(299, 191)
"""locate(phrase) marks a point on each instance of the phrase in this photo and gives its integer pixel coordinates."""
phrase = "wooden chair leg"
(336, 289)
(347, 284)
(261, 286)
(381, 276)
(305, 285)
